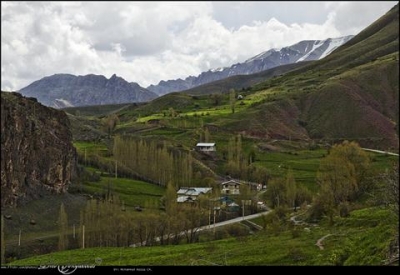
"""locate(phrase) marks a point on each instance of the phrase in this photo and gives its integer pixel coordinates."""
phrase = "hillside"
(354, 92)
(350, 94)
(242, 82)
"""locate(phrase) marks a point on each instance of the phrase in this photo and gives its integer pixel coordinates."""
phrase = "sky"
(146, 42)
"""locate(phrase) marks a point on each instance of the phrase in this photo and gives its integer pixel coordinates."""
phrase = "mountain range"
(306, 50)
(66, 90)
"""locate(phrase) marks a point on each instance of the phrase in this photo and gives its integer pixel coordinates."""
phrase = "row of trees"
(154, 161)
(106, 223)
(240, 165)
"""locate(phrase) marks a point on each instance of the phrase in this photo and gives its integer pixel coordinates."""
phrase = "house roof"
(193, 191)
(203, 144)
(185, 199)
(230, 182)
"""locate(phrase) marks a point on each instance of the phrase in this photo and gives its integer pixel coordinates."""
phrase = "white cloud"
(146, 42)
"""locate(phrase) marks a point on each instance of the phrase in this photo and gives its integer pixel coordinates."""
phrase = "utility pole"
(243, 209)
(209, 218)
(116, 169)
(214, 221)
(83, 236)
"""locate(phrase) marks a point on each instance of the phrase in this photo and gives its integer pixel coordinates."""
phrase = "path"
(381, 152)
(319, 242)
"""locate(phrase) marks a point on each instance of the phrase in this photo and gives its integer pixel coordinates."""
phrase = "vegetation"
(330, 202)
(360, 239)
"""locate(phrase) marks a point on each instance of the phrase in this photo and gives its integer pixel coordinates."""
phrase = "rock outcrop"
(37, 155)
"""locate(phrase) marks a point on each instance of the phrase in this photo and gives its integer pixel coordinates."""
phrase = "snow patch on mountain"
(334, 43)
(62, 103)
(315, 46)
(306, 50)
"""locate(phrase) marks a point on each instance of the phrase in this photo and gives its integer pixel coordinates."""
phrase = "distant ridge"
(307, 50)
(66, 90)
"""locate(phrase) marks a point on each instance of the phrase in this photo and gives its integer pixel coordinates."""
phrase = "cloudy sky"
(145, 42)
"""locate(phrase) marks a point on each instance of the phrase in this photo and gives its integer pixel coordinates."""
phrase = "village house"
(191, 194)
(206, 147)
(230, 187)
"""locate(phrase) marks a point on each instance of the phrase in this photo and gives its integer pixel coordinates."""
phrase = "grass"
(360, 239)
(91, 148)
(131, 192)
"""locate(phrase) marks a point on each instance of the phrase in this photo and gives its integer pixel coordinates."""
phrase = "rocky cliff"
(37, 155)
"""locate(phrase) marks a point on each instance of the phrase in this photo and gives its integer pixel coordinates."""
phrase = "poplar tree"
(63, 229)
(232, 100)
(291, 189)
(3, 243)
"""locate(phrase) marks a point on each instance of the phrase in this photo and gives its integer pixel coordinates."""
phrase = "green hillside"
(350, 94)
(358, 240)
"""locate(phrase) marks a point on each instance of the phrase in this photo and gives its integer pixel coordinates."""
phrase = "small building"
(225, 200)
(206, 147)
(233, 207)
(231, 187)
(190, 194)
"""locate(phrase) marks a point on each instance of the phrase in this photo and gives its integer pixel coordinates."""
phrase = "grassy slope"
(350, 94)
(242, 82)
(360, 239)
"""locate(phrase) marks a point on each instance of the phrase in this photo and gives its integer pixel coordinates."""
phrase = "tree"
(170, 199)
(3, 243)
(291, 189)
(206, 135)
(352, 153)
(391, 189)
(110, 123)
(275, 193)
(63, 229)
(232, 99)
(216, 99)
(338, 176)
(342, 178)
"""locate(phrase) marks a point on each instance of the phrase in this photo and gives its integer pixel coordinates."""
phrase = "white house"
(206, 147)
(230, 187)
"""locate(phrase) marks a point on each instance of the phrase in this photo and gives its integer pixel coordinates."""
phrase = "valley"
(305, 143)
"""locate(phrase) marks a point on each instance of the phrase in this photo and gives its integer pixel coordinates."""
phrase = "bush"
(344, 209)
